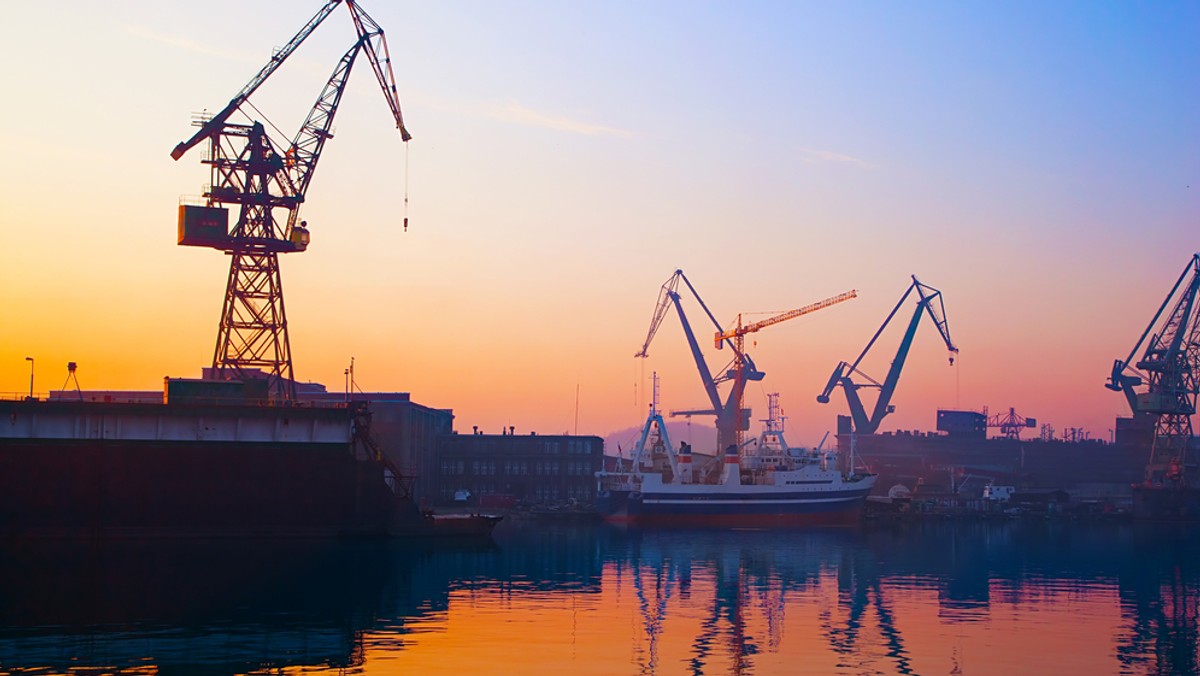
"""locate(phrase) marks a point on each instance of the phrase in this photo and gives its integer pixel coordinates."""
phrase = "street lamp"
(30, 360)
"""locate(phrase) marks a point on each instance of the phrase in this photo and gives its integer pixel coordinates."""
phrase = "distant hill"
(702, 437)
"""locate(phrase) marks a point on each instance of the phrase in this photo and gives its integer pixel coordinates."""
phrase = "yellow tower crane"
(738, 333)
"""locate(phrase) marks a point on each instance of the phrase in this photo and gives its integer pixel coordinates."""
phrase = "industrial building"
(503, 469)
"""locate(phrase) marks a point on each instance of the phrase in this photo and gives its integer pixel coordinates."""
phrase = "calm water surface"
(925, 598)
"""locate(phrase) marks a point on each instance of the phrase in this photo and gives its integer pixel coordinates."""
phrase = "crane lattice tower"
(258, 177)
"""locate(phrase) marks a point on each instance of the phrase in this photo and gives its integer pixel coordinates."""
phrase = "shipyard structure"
(191, 468)
(434, 464)
(1152, 462)
(960, 460)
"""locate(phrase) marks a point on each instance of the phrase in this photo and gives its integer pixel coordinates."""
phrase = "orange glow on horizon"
(669, 629)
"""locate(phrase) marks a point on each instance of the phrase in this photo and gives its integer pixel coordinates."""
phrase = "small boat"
(765, 483)
(467, 526)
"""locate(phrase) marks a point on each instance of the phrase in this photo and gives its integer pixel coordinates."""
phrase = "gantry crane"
(260, 175)
(731, 419)
(1168, 367)
(842, 374)
(1010, 423)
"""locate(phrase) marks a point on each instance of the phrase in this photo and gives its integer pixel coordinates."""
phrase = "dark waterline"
(934, 597)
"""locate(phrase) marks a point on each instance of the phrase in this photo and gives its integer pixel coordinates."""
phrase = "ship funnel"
(685, 462)
(733, 467)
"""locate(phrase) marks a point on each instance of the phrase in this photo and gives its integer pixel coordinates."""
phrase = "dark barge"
(133, 470)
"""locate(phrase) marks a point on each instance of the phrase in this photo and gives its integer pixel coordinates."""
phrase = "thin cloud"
(518, 114)
(812, 155)
(185, 44)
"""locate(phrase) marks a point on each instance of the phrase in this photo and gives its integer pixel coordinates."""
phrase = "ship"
(764, 483)
(202, 467)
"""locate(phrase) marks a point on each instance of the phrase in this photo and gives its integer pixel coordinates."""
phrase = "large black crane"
(842, 374)
(1168, 367)
(260, 175)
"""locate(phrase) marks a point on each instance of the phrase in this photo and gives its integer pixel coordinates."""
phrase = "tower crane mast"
(260, 175)
(738, 334)
(929, 302)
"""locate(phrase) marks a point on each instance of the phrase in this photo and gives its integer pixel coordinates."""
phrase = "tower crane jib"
(736, 333)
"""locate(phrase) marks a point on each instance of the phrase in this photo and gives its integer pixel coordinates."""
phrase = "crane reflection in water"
(906, 598)
(750, 573)
(730, 597)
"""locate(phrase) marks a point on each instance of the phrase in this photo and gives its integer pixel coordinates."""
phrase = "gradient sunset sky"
(1038, 162)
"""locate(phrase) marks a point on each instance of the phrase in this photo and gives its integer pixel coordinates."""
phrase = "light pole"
(30, 360)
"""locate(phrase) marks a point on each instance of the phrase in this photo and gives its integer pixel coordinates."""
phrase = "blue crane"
(740, 371)
(1168, 367)
(929, 301)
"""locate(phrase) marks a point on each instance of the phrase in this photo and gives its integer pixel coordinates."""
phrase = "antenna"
(654, 395)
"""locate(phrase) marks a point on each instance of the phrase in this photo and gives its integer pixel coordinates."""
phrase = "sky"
(1037, 162)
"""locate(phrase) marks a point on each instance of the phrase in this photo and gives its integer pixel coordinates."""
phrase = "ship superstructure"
(765, 483)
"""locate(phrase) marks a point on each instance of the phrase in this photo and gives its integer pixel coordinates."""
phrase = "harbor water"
(1015, 597)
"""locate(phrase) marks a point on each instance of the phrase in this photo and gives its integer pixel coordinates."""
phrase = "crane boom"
(214, 125)
(375, 45)
(305, 150)
(660, 311)
(1119, 380)
(721, 336)
(843, 372)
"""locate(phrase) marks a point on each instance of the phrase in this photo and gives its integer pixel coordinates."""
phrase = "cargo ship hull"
(84, 469)
(826, 498)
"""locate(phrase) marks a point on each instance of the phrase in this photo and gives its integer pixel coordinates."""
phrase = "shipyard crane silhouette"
(260, 175)
(843, 373)
(731, 419)
(1168, 366)
(1010, 423)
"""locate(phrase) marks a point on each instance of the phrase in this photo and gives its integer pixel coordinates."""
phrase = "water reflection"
(218, 607)
(908, 598)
